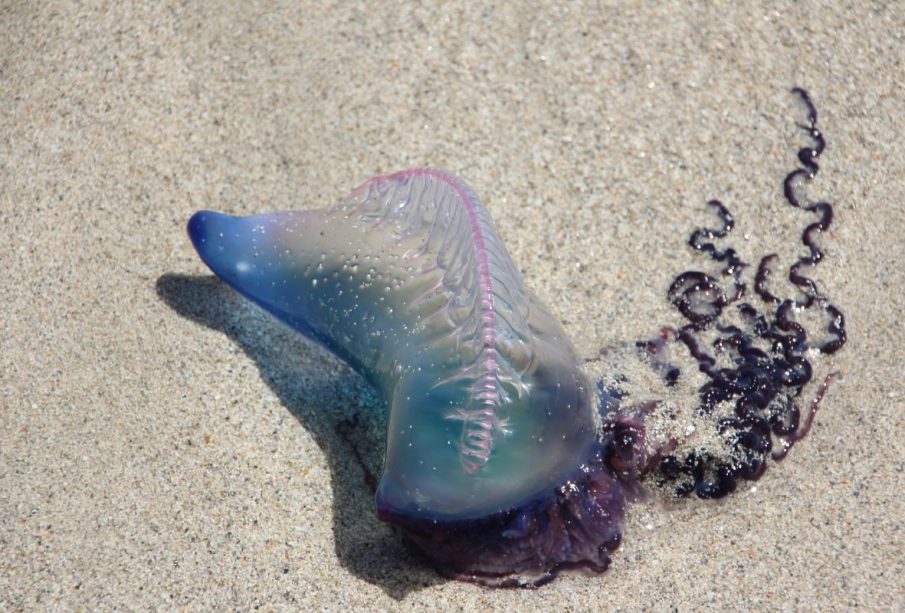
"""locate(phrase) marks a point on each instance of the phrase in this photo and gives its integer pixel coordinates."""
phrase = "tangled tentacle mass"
(762, 366)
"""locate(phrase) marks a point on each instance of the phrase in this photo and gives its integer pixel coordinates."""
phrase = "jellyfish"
(508, 458)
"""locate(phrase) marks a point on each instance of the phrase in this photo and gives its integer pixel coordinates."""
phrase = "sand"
(165, 445)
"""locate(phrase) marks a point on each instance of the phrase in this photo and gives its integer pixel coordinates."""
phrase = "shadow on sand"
(353, 447)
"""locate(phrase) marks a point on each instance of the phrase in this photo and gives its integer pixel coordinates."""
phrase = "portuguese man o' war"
(507, 457)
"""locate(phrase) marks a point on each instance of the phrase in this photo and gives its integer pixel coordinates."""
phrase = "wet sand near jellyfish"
(505, 462)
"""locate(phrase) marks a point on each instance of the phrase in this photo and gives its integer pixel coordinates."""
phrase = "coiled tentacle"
(769, 360)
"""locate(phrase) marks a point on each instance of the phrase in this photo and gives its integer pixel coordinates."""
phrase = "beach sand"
(165, 445)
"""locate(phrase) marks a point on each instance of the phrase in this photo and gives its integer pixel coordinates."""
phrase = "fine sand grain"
(165, 445)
